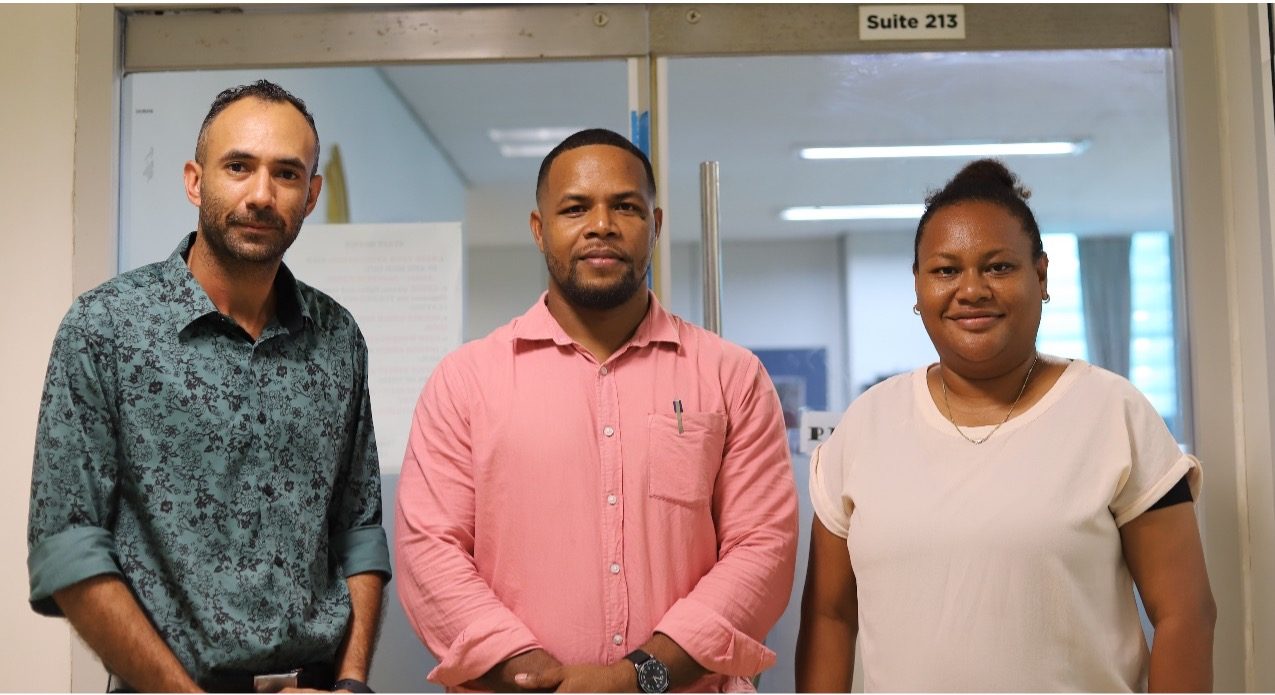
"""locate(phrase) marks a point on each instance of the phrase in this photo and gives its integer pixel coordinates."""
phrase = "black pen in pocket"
(677, 409)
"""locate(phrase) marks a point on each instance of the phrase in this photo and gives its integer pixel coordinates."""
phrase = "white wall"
(394, 172)
(504, 271)
(786, 295)
(885, 336)
(497, 214)
(501, 282)
(37, 136)
(686, 277)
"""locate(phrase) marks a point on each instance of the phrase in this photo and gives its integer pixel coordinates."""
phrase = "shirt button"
(612, 499)
(603, 371)
(615, 568)
(608, 430)
(617, 638)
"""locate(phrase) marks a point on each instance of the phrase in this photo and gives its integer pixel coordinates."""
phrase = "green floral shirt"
(232, 483)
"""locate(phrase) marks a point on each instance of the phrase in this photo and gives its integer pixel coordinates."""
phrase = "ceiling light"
(553, 135)
(528, 142)
(526, 149)
(905, 211)
(980, 149)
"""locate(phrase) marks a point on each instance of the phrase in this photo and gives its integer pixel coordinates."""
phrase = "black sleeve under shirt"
(1179, 493)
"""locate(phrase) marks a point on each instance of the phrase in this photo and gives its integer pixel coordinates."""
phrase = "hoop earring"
(917, 310)
(1046, 299)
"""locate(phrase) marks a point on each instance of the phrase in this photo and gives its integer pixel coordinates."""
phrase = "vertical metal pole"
(708, 191)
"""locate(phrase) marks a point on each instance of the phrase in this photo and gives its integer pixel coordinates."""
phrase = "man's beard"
(596, 298)
(215, 223)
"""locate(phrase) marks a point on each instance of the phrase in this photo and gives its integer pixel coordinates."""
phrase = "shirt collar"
(658, 326)
(290, 306)
(190, 303)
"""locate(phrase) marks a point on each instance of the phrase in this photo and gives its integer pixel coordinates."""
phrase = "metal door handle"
(711, 243)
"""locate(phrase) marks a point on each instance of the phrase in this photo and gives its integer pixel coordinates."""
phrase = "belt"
(318, 676)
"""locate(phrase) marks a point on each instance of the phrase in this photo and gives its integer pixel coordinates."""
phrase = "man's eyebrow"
(292, 162)
(238, 154)
(241, 154)
(574, 198)
(619, 195)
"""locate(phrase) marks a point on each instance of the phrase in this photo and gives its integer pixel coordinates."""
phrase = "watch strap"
(638, 657)
(352, 685)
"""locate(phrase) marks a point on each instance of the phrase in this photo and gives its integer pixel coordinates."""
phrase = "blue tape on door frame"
(640, 130)
(640, 135)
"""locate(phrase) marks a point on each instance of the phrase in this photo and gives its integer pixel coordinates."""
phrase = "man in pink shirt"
(598, 495)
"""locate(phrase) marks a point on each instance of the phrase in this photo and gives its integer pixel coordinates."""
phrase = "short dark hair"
(594, 136)
(989, 181)
(264, 90)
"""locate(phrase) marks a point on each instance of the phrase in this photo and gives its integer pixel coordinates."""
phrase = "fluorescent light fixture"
(552, 135)
(817, 213)
(528, 142)
(982, 149)
(537, 149)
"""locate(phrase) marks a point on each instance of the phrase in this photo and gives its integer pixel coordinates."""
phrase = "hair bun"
(984, 173)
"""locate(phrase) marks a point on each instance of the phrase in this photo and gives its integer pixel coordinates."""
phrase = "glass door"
(449, 143)
(430, 107)
(817, 250)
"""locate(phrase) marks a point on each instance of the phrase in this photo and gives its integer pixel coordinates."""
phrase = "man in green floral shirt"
(206, 502)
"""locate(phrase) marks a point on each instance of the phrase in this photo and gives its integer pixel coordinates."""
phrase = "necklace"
(1021, 390)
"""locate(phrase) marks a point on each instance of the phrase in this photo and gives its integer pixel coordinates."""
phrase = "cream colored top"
(997, 567)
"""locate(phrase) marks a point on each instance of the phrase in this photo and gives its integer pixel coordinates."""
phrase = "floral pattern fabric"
(232, 483)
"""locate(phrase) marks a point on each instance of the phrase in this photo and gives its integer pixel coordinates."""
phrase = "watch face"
(652, 676)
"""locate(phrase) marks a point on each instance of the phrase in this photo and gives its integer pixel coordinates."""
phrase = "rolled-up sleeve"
(450, 606)
(827, 464)
(74, 472)
(357, 537)
(1156, 462)
(722, 622)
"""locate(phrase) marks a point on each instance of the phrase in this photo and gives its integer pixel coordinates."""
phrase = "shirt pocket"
(681, 467)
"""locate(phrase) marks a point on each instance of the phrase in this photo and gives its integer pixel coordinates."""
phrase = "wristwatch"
(652, 674)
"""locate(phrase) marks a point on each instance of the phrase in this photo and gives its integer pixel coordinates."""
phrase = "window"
(1152, 352)
(1062, 323)
(1152, 357)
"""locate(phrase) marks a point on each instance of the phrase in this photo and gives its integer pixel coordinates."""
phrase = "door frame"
(1224, 152)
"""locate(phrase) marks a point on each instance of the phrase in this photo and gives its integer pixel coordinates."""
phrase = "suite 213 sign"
(911, 22)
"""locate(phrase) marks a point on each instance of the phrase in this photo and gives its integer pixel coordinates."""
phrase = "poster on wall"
(402, 283)
(800, 376)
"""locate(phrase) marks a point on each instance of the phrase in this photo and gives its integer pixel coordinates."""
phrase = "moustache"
(264, 217)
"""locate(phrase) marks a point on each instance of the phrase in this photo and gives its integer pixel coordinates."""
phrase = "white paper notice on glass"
(402, 283)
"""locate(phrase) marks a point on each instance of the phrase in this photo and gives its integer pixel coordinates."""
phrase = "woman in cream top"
(981, 522)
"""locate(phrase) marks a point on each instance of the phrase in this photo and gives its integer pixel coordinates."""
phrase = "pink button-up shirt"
(550, 501)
